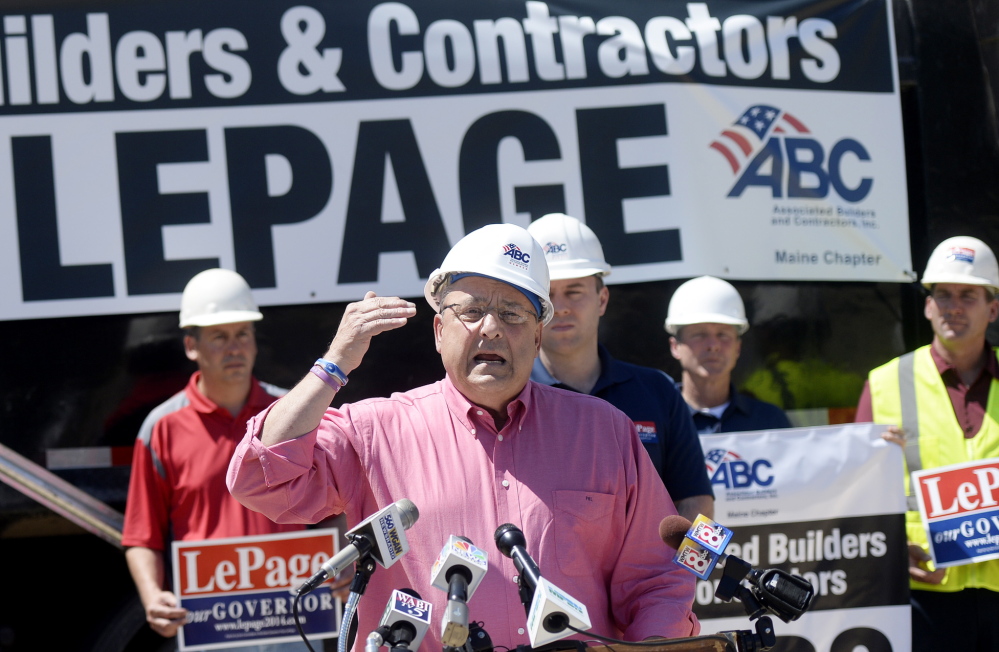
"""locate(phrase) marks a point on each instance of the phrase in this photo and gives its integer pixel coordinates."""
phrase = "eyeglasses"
(474, 313)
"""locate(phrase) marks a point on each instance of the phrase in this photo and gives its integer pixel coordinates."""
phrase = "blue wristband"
(333, 371)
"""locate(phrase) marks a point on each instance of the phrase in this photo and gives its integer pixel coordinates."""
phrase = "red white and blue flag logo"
(961, 254)
(518, 257)
(716, 456)
(740, 143)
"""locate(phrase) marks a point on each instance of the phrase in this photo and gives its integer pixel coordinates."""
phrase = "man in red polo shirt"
(177, 489)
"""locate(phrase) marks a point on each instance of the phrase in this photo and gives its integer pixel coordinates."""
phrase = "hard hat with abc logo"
(962, 259)
(505, 252)
(571, 248)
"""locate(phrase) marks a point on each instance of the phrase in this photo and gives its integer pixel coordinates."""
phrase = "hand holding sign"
(918, 566)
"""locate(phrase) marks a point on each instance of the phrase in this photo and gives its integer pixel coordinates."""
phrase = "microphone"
(702, 546)
(699, 546)
(551, 610)
(405, 621)
(458, 570)
(379, 536)
(512, 543)
(673, 529)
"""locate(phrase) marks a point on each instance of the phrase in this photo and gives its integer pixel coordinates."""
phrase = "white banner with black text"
(323, 149)
(824, 503)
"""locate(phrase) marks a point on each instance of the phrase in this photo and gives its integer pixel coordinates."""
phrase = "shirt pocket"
(581, 530)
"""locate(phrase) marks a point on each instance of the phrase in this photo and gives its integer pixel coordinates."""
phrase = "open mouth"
(490, 358)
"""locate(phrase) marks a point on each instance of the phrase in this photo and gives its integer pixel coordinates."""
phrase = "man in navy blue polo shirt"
(572, 358)
(706, 320)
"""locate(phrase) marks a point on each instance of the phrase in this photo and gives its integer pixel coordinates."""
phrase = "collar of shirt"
(610, 373)
(736, 401)
(991, 365)
(255, 402)
(477, 419)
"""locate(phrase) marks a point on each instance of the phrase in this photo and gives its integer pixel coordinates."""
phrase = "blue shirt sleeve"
(683, 471)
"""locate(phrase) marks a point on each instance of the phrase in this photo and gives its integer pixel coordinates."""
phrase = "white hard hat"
(505, 252)
(217, 296)
(706, 300)
(571, 248)
(962, 259)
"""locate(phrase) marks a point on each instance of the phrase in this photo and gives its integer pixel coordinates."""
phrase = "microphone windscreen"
(408, 512)
(507, 536)
(672, 529)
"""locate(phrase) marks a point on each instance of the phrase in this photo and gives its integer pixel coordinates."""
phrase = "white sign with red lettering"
(959, 505)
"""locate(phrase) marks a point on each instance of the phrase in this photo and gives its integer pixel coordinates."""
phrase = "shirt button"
(472, 431)
(505, 483)
(479, 412)
(500, 437)
(520, 630)
(514, 578)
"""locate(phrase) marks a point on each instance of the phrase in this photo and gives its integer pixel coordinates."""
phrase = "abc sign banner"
(824, 503)
(959, 507)
(239, 591)
(323, 149)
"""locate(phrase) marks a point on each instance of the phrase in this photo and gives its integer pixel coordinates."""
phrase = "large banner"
(824, 503)
(323, 149)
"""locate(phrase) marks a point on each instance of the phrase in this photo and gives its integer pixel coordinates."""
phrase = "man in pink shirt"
(482, 447)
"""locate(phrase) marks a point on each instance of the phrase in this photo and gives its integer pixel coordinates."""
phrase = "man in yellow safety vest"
(944, 401)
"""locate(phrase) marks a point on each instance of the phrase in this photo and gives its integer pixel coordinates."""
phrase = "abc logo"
(695, 560)
(805, 160)
(517, 254)
(708, 535)
(740, 474)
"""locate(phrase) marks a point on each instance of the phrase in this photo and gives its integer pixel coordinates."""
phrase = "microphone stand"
(730, 587)
(526, 595)
(363, 571)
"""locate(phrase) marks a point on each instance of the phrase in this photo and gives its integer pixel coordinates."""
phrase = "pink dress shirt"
(567, 468)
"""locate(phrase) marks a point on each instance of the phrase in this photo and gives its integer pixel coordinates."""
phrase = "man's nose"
(950, 306)
(233, 345)
(490, 326)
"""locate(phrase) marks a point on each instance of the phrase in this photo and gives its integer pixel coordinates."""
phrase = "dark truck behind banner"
(325, 149)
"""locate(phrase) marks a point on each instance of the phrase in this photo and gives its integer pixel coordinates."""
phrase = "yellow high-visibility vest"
(909, 392)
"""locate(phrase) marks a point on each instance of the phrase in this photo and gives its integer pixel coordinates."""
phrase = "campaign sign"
(959, 506)
(240, 591)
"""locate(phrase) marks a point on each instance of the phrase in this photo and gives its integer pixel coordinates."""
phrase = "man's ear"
(438, 327)
(673, 344)
(191, 348)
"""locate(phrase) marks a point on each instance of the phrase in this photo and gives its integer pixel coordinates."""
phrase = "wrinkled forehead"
(477, 289)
